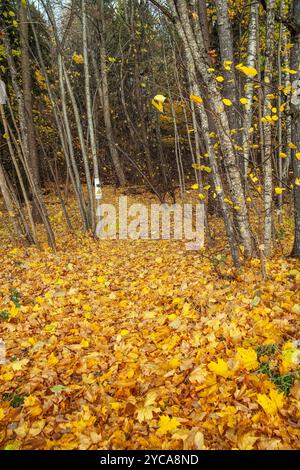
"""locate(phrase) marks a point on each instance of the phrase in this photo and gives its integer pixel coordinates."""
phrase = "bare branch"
(163, 9)
(290, 25)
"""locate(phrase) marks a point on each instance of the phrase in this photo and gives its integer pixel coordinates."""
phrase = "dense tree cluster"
(164, 94)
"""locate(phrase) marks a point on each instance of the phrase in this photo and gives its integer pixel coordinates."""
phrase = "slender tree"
(295, 110)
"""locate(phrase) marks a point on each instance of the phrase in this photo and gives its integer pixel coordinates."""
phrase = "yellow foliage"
(227, 102)
(196, 99)
(220, 368)
(78, 58)
(167, 424)
(247, 358)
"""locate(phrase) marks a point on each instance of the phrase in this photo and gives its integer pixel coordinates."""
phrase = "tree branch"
(163, 9)
(290, 25)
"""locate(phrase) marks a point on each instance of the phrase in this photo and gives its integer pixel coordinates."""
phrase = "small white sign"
(98, 190)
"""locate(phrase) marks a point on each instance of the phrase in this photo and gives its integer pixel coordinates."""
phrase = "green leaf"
(57, 388)
(4, 315)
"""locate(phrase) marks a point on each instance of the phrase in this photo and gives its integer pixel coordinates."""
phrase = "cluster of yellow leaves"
(158, 102)
(247, 358)
(196, 99)
(272, 404)
(249, 71)
(78, 58)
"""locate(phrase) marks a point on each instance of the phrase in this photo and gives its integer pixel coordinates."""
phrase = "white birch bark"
(197, 50)
(249, 85)
(89, 108)
(267, 163)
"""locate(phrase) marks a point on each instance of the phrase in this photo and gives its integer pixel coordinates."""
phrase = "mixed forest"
(118, 343)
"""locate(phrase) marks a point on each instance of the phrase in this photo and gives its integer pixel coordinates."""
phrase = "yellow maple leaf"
(270, 405)
(246, 441)
(196, 99)
(220, 368)
(249, 71)
(52, 360)
(266, 403)
(146, 413)
(227, 102)
(174, 363)
(124, 332)
(247, 358)
(18, 365)
(14, 311)
(101, 280)
(158, 106)
(78, 58)
(198, 375)
(167, 424)
(37, 427)
(85, 343)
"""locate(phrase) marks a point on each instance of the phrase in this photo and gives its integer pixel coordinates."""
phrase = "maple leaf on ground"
(271, 404)
(18, 365)
(167, 424)
(247, 358)
(37, 427)
(145, 413)
(198, 375)
(247, 441)
(220, 368)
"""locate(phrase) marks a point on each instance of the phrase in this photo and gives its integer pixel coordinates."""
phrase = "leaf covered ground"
(142, 345)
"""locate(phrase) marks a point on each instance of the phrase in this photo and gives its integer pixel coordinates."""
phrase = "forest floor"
(143, 345)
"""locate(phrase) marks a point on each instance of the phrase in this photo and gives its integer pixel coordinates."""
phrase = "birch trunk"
(295, 109)
(230, 89)
(192, 74)
(24, 143)
(279, 103)
(9, 205)
(70, 157)
(196, 48)
(9, 134)
(89, 108)
(249, 85)
(27, 93)
(106, 104)
(267, 128)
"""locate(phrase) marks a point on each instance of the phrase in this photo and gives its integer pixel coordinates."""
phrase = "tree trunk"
(27, 92)
(230, 89)
(295, 109)
(196, 47)
(249, 85)
(267, 162)
(191, 69)
(106, 104)
(24, 142)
